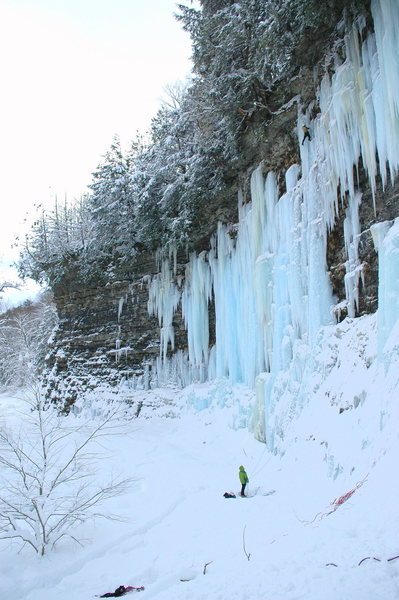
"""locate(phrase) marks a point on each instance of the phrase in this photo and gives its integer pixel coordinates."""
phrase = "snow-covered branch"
(48, 479)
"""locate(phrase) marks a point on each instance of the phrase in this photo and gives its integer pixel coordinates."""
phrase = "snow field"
(176, 522)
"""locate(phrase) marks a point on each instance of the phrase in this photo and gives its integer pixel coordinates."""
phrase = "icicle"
(120, 306)
(386, 24)
(386, 240)
(117, 346)
(195, 298)
(164, 298)
(353, 267)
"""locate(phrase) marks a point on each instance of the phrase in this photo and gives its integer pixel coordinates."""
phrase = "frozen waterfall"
(268, 278)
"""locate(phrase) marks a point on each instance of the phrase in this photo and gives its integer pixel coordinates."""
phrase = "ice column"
(164, 298)
(354, 269)
(359, 118)
(386, 240)
(386, 81)
(195, 298)
(227, 305)
(241, 264)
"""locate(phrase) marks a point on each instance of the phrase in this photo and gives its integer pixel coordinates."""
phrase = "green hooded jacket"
(242, 475)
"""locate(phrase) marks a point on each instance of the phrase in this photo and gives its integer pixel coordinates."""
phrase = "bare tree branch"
(248, 555)
(9, 284)
(48, 481)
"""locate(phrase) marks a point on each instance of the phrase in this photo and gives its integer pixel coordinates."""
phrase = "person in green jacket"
(243, 479)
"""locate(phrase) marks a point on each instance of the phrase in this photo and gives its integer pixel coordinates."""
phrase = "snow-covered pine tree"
(113, 206)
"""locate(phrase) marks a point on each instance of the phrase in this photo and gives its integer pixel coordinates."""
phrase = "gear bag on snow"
(121, 591)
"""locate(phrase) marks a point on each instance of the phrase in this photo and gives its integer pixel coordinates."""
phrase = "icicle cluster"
(164, 298)
(269, 278)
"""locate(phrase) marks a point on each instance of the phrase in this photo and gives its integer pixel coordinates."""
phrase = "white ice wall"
(386, 240)
(268, 276)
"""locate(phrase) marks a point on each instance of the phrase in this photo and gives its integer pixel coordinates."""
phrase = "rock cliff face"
(105, 332)
(385, 208)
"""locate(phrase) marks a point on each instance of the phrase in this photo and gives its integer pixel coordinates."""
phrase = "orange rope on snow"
(346, 496)
(338, 502)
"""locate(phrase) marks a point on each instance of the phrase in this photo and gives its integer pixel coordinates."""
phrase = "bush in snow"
(48, 478)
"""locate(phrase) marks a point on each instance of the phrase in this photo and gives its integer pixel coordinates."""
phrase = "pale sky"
(73, 74)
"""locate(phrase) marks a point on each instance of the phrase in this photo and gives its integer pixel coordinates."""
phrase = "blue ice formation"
(269, 282)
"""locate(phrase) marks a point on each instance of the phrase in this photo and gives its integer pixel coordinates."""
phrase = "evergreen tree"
(154, 196)
(113, 206)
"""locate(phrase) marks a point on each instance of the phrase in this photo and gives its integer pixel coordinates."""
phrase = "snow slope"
(285, 542)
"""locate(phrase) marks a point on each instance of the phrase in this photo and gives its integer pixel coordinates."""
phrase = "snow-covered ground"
(181, 539)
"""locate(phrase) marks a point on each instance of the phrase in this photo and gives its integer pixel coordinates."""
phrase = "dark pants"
(243, 489)
(306, 136)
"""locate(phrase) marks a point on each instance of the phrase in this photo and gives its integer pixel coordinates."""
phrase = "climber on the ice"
(306, 133)
(243, 479)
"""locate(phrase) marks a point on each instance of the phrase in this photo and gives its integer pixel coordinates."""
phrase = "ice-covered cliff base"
(301, 543)
(347, 412)
(343, 406)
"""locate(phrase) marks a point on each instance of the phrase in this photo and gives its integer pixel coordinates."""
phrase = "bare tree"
(48, 478)
(174, 94)
(24, 332)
